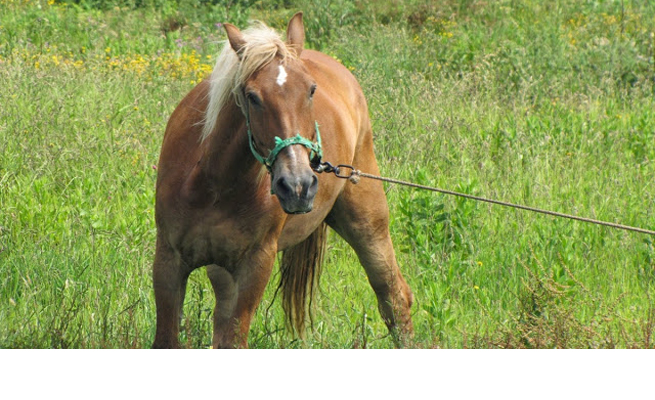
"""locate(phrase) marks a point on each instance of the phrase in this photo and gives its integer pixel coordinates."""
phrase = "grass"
(547, 104)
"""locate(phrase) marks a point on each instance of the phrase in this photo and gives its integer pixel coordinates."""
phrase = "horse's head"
(277, 101)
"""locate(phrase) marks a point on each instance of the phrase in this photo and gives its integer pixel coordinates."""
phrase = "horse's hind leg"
(169, 281)
(361, 217)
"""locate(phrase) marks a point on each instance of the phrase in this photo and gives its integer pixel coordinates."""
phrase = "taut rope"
(353, 175)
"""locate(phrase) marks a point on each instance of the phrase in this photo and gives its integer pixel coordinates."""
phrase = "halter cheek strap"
(315, 147)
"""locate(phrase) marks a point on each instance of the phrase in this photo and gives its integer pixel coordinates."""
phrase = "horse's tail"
(300, 270)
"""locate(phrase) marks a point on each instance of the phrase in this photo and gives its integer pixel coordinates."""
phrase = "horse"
(238, 182)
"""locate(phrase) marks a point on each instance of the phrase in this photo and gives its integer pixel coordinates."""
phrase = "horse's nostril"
(282, 187)
(313, 186)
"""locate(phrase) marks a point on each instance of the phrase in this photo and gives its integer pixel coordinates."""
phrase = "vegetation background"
(544, 103)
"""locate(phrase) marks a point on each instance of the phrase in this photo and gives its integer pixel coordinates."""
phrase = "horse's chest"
(221, 237)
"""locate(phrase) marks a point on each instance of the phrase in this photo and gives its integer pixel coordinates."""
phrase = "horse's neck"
(227, 157)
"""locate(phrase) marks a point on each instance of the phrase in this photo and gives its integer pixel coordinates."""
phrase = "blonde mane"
(263, 44)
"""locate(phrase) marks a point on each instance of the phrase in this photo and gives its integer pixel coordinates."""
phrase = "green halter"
(280, 144)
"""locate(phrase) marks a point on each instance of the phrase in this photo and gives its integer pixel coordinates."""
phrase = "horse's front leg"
(238, 293)
(169, 275)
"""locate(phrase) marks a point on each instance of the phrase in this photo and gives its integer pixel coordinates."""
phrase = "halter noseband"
(316, 151)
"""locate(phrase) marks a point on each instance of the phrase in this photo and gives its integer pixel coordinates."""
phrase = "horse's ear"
(235, 37)
(296, 33)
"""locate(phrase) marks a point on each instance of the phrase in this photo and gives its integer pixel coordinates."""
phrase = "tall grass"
(542, 103)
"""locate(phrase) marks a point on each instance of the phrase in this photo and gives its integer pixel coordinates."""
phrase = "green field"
(543, 103)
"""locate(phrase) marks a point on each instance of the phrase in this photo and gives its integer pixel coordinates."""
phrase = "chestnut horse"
(269, 109)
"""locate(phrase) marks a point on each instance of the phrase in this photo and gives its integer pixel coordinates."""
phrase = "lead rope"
(349, 172)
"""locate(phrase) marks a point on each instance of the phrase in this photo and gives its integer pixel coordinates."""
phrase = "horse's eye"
(312, 90)
(253, 99)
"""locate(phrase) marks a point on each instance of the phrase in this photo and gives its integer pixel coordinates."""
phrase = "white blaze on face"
(282, 76)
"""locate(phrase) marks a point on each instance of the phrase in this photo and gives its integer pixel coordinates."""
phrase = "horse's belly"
(298, 227)
(297, 230)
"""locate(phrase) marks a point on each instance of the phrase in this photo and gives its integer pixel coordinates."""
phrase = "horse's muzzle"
(296, 192)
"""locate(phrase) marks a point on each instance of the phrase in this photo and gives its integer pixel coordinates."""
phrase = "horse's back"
(338, 81)
(335, 73)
